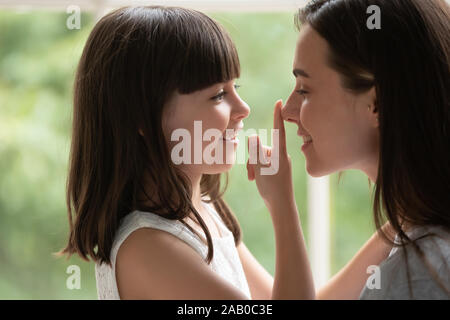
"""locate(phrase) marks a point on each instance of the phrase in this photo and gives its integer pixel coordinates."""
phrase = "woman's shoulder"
(431, 244)
(434, 242)
(406, 266)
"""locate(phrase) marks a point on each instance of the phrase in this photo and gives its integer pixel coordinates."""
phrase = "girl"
(156, 229)
(378, 100)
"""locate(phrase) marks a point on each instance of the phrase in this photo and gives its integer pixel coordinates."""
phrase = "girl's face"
(211, 119)
(343, 126)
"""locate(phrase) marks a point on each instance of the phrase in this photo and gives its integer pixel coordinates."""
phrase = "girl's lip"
(234, 136)
(234, 140)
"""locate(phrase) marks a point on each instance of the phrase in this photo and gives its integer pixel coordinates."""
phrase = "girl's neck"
(196, 191)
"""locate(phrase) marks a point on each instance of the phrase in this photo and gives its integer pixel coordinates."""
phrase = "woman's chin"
(313, 172)
(317, 172)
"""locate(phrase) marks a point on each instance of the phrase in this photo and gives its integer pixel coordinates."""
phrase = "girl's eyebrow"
(213, 87)
(299, 72)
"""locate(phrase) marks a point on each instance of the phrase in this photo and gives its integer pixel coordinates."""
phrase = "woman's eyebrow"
(300, 72)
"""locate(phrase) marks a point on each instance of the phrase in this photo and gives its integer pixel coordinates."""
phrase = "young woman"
(157, 228)
(378, 100)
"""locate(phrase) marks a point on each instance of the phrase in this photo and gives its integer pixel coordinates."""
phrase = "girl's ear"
(140, 132)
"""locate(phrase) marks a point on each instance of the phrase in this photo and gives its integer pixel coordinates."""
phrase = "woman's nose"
(291, 110)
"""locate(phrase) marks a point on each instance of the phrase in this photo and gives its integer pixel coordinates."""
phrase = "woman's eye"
(302, 92)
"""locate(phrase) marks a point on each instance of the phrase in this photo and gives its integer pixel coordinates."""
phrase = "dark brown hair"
(407, 61)
(135, 58)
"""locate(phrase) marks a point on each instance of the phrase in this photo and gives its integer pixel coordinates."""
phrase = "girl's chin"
(218, 168)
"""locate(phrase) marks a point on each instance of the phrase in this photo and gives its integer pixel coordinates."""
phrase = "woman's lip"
(302, 133)
(306, 145)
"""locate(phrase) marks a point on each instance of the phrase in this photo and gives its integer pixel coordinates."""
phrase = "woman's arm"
(350, 280)
(347, 284)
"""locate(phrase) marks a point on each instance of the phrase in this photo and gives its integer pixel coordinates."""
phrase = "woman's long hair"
(135, 58)
(407, 61)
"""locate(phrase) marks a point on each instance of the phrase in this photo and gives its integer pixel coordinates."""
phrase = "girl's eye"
(220, 95)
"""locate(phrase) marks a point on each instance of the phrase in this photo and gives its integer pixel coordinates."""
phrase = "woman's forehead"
(310, 60)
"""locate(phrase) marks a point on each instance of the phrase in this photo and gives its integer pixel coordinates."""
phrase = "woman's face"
(343, 126)
(211, 117)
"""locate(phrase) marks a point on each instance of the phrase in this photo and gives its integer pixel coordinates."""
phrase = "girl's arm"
(153, 264)
(293, 277)
(260, 281)
(350, 280)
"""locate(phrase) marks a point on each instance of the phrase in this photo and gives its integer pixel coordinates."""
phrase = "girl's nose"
(241, 110)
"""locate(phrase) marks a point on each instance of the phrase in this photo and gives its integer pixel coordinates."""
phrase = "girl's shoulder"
(142, 219)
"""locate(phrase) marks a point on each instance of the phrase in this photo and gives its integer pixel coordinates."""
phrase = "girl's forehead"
(216, 86)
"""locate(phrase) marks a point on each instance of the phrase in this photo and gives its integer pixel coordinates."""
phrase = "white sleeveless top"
(225, 262)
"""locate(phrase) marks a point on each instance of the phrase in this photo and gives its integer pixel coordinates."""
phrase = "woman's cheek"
(305, 117)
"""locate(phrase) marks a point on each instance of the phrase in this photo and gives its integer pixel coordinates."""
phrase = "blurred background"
(38, 58)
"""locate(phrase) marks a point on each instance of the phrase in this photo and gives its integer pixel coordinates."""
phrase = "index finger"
(278, 124)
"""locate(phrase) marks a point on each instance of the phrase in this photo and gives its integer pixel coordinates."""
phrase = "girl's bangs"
(211, 58)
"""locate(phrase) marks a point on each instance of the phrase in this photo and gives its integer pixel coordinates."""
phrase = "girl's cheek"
(218, 118)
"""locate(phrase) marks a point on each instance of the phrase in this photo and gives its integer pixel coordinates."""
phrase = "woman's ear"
(372, 106)
(140, 132)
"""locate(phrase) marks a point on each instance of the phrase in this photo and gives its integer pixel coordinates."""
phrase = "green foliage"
(38, 57)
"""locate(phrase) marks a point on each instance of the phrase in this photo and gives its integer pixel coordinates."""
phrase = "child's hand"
(275, 188)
